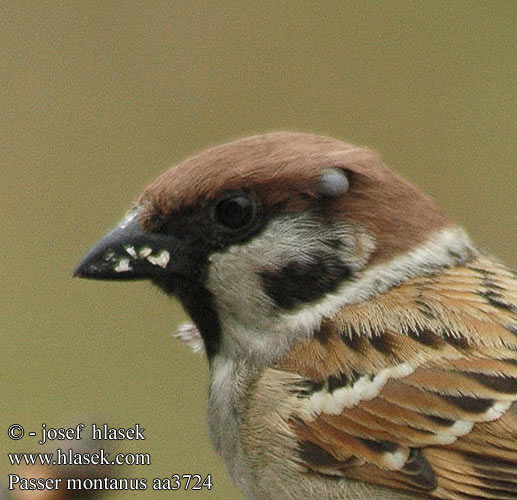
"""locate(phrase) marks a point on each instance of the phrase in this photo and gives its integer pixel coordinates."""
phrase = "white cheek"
(249, 318)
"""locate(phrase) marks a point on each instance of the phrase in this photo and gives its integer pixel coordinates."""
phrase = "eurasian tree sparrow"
(360, 346)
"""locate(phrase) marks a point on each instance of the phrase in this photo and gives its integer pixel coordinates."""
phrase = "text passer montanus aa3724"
(360, 346)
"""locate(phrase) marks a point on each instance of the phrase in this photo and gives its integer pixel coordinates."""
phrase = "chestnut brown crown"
(285, 168)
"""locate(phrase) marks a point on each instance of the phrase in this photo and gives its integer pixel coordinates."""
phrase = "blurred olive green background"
(98, 97)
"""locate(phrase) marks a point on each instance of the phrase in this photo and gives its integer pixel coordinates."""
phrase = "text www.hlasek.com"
(69, 457)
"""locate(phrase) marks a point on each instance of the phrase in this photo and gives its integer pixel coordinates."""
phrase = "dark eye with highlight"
(235, 212)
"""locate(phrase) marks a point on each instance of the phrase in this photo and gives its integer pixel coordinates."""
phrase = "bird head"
(263, 237)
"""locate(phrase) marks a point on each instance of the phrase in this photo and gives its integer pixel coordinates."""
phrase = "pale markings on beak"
(162, 259)
(122, 266)
(109, 256)
(144, 252)
(131, 251)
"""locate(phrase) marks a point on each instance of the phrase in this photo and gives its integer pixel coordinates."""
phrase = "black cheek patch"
(299, 282)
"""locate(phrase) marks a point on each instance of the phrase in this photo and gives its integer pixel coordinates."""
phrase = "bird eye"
(235, 212)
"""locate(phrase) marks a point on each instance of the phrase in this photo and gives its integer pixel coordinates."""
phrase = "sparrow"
(360, 346)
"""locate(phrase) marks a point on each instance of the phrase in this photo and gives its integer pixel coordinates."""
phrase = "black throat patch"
(198, 302)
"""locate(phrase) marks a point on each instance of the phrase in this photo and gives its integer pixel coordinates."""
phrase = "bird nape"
(360, 346)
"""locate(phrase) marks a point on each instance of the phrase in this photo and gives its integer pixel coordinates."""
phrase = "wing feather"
(417, 388)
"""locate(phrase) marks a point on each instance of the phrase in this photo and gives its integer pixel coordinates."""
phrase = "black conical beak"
(128, 253)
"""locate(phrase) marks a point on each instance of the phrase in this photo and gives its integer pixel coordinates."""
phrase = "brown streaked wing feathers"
(453, 420)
